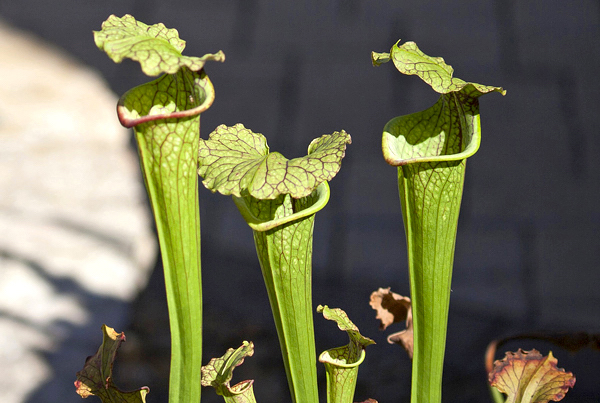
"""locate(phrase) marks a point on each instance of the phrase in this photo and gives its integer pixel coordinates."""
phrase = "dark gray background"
(528, 248)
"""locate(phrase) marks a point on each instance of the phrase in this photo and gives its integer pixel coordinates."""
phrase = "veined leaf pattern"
(236, 161)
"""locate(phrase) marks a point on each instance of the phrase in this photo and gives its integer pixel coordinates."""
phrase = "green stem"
(167, 139)
(283, 233)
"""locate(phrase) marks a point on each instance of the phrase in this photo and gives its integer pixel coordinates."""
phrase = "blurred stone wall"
(76, 241)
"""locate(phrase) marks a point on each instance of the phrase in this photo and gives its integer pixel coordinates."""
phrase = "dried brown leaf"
(390, 307)
(394, 308)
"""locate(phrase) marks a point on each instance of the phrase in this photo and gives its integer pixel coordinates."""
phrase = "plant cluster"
(279, 198)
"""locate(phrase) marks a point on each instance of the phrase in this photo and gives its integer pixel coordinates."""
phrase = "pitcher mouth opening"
(326, 357)
(129, 120)
(322, 197)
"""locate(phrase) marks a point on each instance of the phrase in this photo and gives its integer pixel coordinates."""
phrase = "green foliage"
(157, 48)
(357, 341)
(236, 161)
(219, 371)
(430, 150)
(278, 198)
(165, 115)
(341, 363)
(410, 60)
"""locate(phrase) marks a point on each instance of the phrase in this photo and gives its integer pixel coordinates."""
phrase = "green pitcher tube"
(341, 363)
(165, 116)
(278, 198)
(430, 222)
(283, 232)
(341, 373)
(430, 149)
(168, 146)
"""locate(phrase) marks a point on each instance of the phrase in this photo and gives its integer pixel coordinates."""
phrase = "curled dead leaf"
(405, 339)
(95, 379)
(390, 307)
(394, 308)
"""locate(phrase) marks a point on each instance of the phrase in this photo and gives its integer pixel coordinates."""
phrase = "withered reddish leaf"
(490, 353)
(95, 379)
(572, 342)
(370, 401)
(393, 308)
(527, 377)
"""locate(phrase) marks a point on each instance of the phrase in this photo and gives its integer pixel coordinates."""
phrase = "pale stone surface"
(74, 227)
